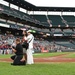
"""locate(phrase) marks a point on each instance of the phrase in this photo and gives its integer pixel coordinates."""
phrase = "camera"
(13, 47)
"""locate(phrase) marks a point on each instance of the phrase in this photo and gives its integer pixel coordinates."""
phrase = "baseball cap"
(29, 31)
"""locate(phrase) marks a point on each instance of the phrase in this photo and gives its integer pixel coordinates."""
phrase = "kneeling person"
(18, 54)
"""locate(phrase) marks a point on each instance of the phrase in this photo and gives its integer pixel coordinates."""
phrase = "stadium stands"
(70, 19)
(15, 13)
(56, 20)
(67, 31)
(42, 19)
(66, 44)
(55, 33)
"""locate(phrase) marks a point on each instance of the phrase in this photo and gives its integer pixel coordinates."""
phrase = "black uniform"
(18, 55)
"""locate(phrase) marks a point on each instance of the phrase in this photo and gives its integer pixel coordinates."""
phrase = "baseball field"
(60, 63)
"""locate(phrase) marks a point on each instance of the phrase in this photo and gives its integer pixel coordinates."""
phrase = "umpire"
(18, 54)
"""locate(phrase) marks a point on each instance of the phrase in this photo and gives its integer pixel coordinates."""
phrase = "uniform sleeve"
(29, 38)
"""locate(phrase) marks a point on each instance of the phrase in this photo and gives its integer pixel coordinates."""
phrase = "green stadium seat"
(42, 19)
(56, 20)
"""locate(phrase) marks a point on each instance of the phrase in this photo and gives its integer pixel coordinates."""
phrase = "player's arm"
(14, 50)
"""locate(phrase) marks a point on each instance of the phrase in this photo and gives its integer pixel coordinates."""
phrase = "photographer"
(18, 50)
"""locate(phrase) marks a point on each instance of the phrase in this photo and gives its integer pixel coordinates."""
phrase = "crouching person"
(18, 50)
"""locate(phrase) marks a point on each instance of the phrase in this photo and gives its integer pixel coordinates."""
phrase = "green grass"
(39, 54)
(38, 69)
(5, 56)
(49, 54)
(70, 55)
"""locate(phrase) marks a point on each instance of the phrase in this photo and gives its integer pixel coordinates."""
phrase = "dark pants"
(17, 60)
